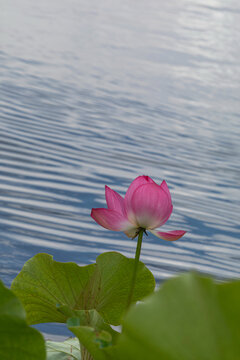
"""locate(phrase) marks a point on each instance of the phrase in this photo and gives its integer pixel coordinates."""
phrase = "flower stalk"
(137, 257)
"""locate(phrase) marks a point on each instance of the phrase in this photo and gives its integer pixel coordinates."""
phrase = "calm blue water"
(99, 92)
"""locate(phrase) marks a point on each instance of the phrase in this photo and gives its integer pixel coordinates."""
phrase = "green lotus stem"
(134, 275)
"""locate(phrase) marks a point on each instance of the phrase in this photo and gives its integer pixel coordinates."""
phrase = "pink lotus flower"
(146, 206)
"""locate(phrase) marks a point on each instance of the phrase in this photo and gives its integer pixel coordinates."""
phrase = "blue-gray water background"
(99, 92)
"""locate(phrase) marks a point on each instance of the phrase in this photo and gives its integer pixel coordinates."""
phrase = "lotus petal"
(166, 189)
(114, 200)
(170, 235)
(140, 180)
(150, 206)
(111, 219)
(131, 233)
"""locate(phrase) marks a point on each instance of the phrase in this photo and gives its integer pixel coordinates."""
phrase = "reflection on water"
(96, 93)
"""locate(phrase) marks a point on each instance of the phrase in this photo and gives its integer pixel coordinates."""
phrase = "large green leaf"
(44, 284)
(67, 350)
(17, 339)
(189, 318)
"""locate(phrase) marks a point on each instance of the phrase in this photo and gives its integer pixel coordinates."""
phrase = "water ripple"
(90, 97)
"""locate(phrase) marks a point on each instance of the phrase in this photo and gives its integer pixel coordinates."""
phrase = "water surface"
(96, 93)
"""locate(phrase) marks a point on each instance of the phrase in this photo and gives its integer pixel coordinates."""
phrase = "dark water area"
(95, 93)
